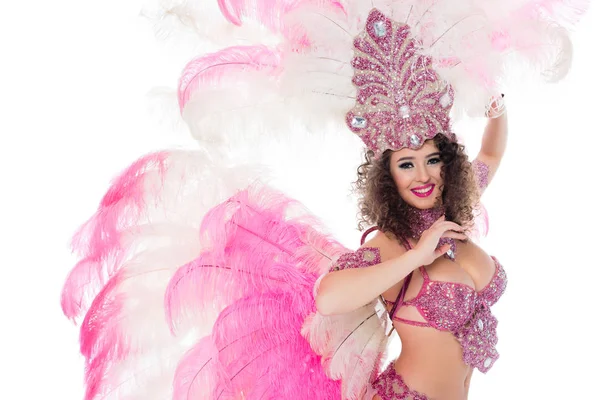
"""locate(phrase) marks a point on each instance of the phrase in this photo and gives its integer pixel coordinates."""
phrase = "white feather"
(352, 345)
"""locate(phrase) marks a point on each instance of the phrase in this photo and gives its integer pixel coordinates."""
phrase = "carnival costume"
(194, 284)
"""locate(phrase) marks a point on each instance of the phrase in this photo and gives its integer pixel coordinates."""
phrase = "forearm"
(495, 136)
(346, 290)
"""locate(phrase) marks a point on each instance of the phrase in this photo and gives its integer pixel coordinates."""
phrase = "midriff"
(431, 363)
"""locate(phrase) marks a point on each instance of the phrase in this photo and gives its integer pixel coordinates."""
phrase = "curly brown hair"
(380, 203)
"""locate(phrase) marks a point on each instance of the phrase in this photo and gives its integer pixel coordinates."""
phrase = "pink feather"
(245, 235)
(561, 11)
(143, 231)
(270, 13)
(261, 268)
(258, 344)
(212, 70)
(99, 240)
(191, 381)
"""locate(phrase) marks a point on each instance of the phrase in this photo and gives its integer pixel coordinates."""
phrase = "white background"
(73, 79)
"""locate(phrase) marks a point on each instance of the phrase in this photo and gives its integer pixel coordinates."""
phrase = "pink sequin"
(363, 257)
(390, 386)
(482, 171)
(458, 308)
(421, 220)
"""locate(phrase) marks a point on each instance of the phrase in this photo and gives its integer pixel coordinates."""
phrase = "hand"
(496, 108)
(427, 246)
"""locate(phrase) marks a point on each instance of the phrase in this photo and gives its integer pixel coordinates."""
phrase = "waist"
(435, 380)
(432, 363)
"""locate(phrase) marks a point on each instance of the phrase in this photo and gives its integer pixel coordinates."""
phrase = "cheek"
(437, 174)
(402, 179)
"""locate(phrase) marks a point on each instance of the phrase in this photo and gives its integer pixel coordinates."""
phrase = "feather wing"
(145, 228)
(265, 255)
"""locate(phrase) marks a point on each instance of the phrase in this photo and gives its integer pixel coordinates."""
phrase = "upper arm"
(484, 168)
(387, 247)
(493, 146)
(363, 257)
(370, 253)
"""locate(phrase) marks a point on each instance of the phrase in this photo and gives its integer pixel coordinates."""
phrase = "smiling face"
(418, 175)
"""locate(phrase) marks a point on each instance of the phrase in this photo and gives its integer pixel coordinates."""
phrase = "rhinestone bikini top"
(449, 306)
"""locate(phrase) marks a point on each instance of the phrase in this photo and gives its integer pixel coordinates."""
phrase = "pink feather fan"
(261, 265)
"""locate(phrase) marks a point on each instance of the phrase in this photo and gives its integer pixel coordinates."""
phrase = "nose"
(422, 174)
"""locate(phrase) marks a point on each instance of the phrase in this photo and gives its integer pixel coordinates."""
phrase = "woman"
(435, 189)
(186, 304)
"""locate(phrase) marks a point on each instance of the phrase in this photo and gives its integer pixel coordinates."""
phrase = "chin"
(435, 200)
(424, 205)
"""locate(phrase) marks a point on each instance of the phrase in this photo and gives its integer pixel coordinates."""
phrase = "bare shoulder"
(387, 245)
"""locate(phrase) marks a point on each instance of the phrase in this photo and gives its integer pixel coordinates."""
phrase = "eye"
(434, 160)
(406, 165)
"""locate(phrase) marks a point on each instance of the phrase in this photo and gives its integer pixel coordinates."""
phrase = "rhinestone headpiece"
(401, 101)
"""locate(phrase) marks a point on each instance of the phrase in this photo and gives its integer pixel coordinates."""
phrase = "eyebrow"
(412, 158)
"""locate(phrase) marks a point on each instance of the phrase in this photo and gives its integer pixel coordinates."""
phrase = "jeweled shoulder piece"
(401, 101)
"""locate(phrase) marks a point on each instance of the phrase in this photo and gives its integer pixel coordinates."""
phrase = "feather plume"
(478, 47)
(250, 246)
(146, 228)
(352, 345)
(98, 240)
(210, 70)
(263, 256)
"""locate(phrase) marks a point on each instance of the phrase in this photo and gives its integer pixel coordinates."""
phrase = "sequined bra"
(448, 306)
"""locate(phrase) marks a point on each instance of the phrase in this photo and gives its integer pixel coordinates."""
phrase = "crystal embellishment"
(450, 254)
(368, 256)
(379, 27)
(480, 324)
(487, 362)
(359, 122)
(405, 111)
(415, 141)
(445, 100)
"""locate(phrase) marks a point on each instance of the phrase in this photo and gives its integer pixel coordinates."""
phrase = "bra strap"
(406, 243)
(422, 267)
(364, 236)
(400, 297)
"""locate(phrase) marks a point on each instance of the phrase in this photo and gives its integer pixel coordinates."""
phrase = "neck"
(422, 220)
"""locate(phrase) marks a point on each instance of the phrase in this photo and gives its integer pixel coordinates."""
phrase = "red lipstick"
(423, 191)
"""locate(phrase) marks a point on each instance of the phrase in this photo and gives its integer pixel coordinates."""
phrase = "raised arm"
(493, 145)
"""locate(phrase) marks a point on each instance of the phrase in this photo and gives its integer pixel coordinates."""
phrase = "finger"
(456, 227)
(442, 250)
(449, 226)
(440, 219)
(454, 235)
